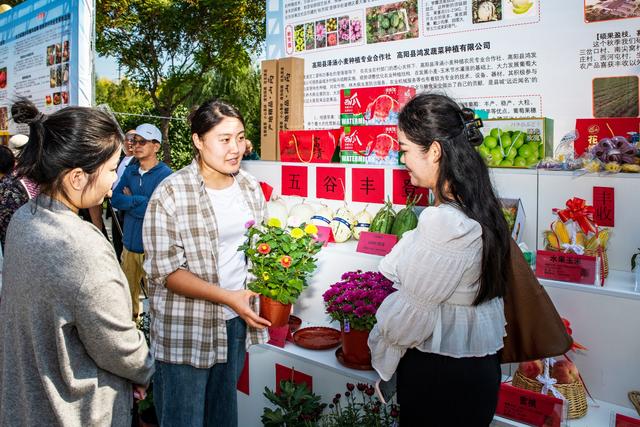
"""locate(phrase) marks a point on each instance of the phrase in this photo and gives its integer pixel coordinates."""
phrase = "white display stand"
(605, 320)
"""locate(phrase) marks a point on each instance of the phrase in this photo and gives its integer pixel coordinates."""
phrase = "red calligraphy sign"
(367, 185)
(294, 181)
(531, 408)
(288, 374)
(402, 189)
(604, 206)
(330, 183)
(243, 381)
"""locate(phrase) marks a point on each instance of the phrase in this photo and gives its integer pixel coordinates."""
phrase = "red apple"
(531, 369)
(565, 372)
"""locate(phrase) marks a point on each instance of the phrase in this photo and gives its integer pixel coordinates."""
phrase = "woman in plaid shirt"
(202, 316)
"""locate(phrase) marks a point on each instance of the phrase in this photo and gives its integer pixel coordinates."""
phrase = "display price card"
(566, 267)
(625, 421)
(376, 243)
(294, 181)
(403, 189)
(529, 407)
(367, 185)
(325, 235)
(330, 183)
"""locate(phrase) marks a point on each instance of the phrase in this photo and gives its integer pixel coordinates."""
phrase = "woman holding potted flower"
(202, 316)
(442, 329)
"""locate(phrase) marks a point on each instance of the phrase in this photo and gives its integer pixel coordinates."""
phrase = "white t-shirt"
(232, 213)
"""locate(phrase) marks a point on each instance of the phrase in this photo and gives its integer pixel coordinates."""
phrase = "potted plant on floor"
(281, 259)
(296, 406)
(354, 301)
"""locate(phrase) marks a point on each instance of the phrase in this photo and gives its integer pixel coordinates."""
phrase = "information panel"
(513, 58)
(46, 56)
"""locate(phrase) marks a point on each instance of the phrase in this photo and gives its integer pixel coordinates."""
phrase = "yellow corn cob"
(580, 238)
(561, 231)
(552, 240)
(603, 237)
(592, 243)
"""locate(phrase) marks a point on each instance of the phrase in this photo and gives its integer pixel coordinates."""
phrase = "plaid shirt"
(180, 231)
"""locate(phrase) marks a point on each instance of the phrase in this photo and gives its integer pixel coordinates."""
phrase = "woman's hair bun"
(24, 111)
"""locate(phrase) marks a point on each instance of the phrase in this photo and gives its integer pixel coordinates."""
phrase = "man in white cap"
(131, 196)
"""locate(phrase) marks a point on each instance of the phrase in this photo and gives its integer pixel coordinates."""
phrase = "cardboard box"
(269, 110)
(371, 145)
(527, 142)
(378, 105)
(290, 94)
(514, 214)
(591, 131)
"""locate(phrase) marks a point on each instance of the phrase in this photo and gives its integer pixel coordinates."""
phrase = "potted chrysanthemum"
(281, 259)
(354, 301)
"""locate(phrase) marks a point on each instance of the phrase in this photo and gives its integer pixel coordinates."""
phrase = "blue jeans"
(185, 396)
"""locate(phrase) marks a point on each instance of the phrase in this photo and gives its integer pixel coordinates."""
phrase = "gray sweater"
(68, 347)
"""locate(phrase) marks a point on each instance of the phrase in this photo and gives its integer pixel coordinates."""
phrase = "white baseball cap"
(149, 132)
(16, 142)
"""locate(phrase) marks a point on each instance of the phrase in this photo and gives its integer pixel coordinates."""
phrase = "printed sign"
(403, 189)
(294, 181)
(376, 243)
(604, 206)
(330, 183)
(367, 185)
(566, 267)
(534, 409)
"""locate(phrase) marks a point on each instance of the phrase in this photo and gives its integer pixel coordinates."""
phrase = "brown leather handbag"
(534, 327)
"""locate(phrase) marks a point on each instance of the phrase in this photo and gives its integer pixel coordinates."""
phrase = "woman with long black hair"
(443, 328)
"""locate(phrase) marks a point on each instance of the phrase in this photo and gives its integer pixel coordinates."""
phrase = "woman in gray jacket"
(69, 351)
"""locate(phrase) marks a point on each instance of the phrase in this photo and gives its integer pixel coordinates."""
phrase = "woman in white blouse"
(443, 328)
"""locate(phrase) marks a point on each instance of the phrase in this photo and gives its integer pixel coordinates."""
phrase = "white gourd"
(342, 224)
(322, 217)
(363, 222)
(277, 208)
(302, 212)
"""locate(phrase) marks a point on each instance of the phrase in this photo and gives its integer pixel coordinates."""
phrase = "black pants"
(441, 391)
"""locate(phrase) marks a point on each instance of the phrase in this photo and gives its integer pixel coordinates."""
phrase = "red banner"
(330, 183)
(604, 206)
(284, 373)
(367, 185)
(402, 189)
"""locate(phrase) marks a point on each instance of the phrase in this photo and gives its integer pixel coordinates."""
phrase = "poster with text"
(513, 58)
(45, 56)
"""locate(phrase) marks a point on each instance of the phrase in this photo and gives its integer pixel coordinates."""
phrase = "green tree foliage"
(170, 49)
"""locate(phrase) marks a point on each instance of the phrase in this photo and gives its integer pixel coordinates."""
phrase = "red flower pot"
(355, 347)
(274, 311)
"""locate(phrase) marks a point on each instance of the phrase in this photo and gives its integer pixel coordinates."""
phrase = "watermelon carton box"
(380, 105)
(370, 145)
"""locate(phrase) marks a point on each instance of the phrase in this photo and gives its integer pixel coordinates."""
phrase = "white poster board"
(513, 58)
(46, 56)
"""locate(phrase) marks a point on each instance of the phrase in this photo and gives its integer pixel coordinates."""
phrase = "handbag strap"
(295, 142)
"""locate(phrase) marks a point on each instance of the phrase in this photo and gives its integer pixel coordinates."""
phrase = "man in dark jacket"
(131, 196)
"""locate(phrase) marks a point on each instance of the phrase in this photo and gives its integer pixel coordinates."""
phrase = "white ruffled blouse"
(436, 269)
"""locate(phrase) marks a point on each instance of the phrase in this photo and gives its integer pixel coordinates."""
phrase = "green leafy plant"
(362, 409)
(296, 405)
(281, 259)
(633, 259)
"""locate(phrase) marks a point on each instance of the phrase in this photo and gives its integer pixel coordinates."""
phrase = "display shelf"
(323, 358)
(619, 284)
(598, 415)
